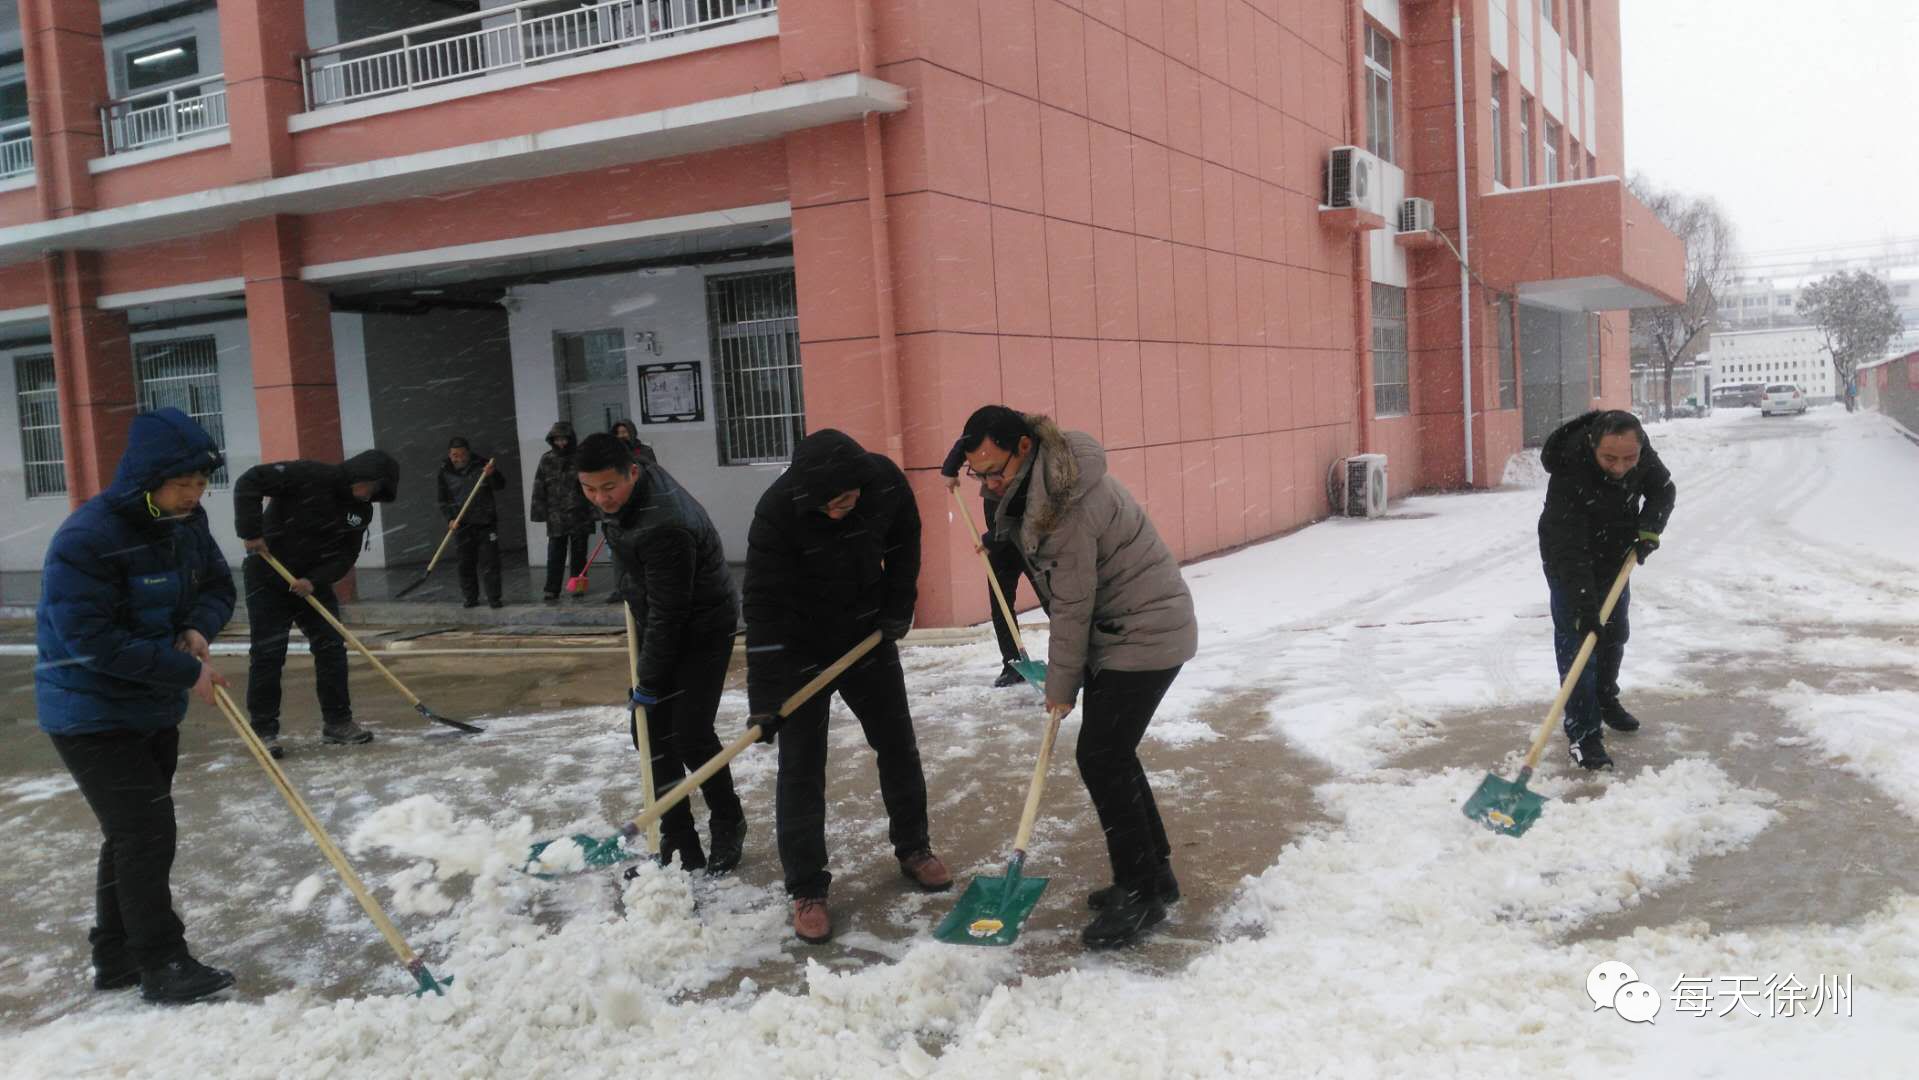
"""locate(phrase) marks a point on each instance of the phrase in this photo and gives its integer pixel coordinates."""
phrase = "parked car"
(1738, 395)
(1782, 398)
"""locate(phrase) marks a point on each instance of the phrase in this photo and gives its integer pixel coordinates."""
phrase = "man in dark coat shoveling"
(478, 529)
(1609, 497)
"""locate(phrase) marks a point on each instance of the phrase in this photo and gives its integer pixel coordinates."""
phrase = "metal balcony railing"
(165, 114)
(504, 38)
(16, 150)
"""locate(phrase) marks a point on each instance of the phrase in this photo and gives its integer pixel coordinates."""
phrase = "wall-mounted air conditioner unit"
(1415, 215)
(1356, 486)
(1353, 180)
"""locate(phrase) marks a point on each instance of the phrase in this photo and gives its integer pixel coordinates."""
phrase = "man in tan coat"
(1122, 626)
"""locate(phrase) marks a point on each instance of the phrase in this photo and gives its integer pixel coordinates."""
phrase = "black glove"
(1647, 544)
(1585, 615)
(894, 629)
(768, 723)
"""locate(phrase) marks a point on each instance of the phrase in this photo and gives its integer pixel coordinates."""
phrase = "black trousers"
(875, 690)
(127, 780)
(679, 732)
(1598, 684)
(271, 612)
(479, 560)
(1006, 564)
(1117, 706)
(565, 557)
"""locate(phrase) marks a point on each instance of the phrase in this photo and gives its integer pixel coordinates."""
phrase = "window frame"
(781, 384)
(1496, 95)
(1392, 397)
(198, 386)
(32, 463)
(1380, 114)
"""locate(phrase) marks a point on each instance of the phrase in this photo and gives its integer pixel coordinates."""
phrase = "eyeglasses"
(995, 471)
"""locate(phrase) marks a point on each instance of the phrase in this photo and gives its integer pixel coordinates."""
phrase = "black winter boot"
(1123, 921)
(182, 980)
(1590, 754)
(1616, 716)
(1007, 677)
(1165, 890)
(112, 970)
(729, 845)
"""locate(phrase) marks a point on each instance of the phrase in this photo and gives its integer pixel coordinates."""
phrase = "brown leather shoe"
(926, 870)
(812, 923)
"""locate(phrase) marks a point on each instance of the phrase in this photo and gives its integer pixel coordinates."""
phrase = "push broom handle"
(1012, 624)
(1031, 813)
(652, 814)
(457, 518)
(320, 837)
(1579, 665)
(642, 738)
(344, 632)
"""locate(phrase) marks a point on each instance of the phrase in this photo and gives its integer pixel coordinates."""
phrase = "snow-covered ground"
(1393, 939)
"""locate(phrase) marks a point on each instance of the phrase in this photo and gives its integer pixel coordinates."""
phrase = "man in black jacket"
(833, 554)
(1003, 562)
(557, 501)
(682, 600)
(478, 535)
(1609, 497)
(315, 523)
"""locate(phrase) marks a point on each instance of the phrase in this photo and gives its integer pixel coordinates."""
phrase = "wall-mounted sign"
(670, 393)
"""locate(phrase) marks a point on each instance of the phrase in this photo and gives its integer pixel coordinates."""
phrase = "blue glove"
(640, 695)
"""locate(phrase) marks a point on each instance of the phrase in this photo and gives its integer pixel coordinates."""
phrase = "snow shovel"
(636, 723)
(992, 909)
(441, 550)
(1507, 806)
(597, 852)
(411, 698)
(414, 964)
(1029, 669)
(577, 583)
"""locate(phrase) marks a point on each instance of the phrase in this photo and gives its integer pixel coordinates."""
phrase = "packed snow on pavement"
(1394, 938)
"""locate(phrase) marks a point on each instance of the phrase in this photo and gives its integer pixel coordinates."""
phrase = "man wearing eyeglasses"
(1002, 559)
(832, 555)
(1122, 626)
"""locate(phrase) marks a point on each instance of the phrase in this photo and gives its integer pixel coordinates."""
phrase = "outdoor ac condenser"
(1415, 215)
(1352, 180)
(1356, 486)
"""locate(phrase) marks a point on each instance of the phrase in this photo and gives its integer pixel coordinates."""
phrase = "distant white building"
(1795, 356)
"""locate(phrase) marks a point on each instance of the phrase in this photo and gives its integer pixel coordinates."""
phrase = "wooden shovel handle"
(344, 632)
(642, 739)
(1006, 609)
(1579, 665)
(1031, 813)
(457, 518)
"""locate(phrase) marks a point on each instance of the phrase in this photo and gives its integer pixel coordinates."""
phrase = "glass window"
(160, 63)
(1546, 12)
(756, 366)
(184, 373)
(1391, 391)
(1551, 155)
(42, 461)
(13, 102)
(1498, 132)
(1508, 355)
(1525, 141)
(1379, 93)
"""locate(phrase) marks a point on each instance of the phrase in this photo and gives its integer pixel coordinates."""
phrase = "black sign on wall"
(670, 393)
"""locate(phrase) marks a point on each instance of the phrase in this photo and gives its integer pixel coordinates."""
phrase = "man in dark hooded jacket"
(832, 555)
(681, 596)
(314, 522)
(557, 501)
(1002, 560)
(478, 535)
(132, 592)
(1609, 497)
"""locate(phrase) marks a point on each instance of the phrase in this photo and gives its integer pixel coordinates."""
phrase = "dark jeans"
(271, 611)
(679, 733)
(1599, 682)
(127, 779)
(565, 557)
(1006, 564)
(479, 560)
(875, 690)
(1117, 706)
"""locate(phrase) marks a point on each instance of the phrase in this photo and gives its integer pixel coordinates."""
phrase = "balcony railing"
(165, 114)
(16, 150)
(504, 38)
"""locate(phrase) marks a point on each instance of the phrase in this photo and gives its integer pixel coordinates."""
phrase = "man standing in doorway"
(681, 597)
(477, 532)
(315, 521)
(557, 501)
(1609, 497)
(832, 555)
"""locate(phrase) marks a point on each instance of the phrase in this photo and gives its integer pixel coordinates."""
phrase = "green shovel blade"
(429, 983)
(596, 853)
(989, 913)
(1033, 671)
(1504, 806)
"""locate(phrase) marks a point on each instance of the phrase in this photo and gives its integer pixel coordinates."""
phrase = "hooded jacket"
(1112, 589)
(456, 484)
(557, 498)
(675, 571)
(1590, 520)
(119, 584)
(313, 524)
(815, 586)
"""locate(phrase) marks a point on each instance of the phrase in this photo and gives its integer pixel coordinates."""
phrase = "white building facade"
(1797, 356)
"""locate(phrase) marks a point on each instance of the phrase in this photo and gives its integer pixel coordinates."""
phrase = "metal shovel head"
(1504, 806)
(416, 583)
(595, 853)
(457, 725)
(428, 982)
(990, 914)
(1033, 671)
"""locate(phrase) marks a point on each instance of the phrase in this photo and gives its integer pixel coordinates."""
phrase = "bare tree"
(1665, 333)
(1853, 311)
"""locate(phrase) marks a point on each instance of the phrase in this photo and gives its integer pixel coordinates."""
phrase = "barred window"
(185, 374)
(43, 462)
(756, 366)
(1391, 394)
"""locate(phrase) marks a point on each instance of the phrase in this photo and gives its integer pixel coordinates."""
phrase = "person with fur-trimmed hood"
(832, 555)
(1122, 625)
(1609, 497)
(558, 502)
(314, 522)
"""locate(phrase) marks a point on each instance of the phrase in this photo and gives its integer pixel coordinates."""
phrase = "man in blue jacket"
(132, 591)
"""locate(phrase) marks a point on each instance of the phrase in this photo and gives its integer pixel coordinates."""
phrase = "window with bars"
(1508, 355)
(43, 462)
(1379, 93)
(184, 373)
(1391, 394)
(755, 325)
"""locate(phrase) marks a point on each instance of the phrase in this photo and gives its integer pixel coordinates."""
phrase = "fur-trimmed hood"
(1069, 464)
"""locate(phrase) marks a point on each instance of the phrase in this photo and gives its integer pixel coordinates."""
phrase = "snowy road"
(1342, 918)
